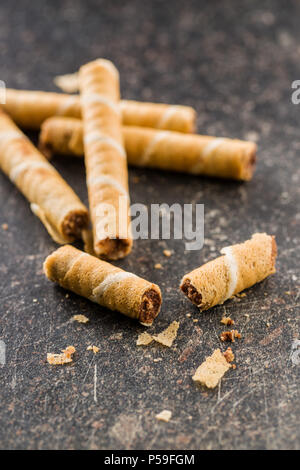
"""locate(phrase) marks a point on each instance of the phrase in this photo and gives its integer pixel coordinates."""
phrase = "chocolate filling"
(74, 223)
(191, 292)
(151, 302)
(114, 248)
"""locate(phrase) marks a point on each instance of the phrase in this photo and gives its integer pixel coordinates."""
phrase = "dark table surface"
(235, 63)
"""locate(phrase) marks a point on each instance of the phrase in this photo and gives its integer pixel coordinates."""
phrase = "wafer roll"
(51, 198)
(104, 283)
(240, 267)
(105, 159)
(166, 150)
(30, 108)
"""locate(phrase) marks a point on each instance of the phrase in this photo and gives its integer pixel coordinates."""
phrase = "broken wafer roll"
(240, 267)
(166, 150)
(105, 159)
(51, 198)
(104, 283)
(30, 108)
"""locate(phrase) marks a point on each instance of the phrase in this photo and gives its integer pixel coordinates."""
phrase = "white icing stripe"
(233, 271)
(211, 146)
(109, 281)
(18, 169)
(66, 105)
(107, 180)
(88, 98)
(170, 111)
(151, 146)
(94, 136)
(5, 136)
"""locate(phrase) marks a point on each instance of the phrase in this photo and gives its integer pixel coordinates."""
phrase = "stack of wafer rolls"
(104, 283)
(166, 150)
(30, 108)
(51, 198)
(105, 159)
(240, 267)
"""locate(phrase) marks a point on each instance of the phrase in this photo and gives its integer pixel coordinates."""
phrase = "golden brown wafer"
(105, 159)
(166, 150)
(104, 283)
(30, 108)
(240, 267)
(51, 198)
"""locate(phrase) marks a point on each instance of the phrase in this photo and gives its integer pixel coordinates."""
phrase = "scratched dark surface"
(235, 63)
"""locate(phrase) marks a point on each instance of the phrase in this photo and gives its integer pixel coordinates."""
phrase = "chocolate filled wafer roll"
(104, 283)
(30, 108)
(51, 198)
(240, 267)
(105, 159)
(166, 150)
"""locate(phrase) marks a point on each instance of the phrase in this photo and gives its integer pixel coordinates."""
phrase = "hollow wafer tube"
(51, 198)
(104, 283)
(105, 159)
(240, 267)
(166, 150)
(29, 109)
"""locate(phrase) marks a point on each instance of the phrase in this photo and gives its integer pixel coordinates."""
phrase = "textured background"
(235, 63)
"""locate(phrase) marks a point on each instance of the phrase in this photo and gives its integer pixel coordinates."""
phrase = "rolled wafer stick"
(166, 150)
(105, 159)
(240, 267)
(51, 198)
(30, 108)
(104, 283)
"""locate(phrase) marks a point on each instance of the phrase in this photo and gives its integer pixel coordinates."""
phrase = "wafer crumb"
(4, 226)
(80, 318)
(228, 354)
(95, 349)
(227, 321)
(210, 372)
(67, 83)
(144, 339)
(64, 358)
(167, 253)
(167, 336)
(164, 415)
(189, 315)
(158, 266)
(230, 335)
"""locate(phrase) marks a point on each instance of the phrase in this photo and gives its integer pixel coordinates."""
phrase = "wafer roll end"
(150, 305)
(248, 161)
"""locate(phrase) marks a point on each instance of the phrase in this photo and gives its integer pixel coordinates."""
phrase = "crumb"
(230, 335)
(4, 226)
(210, 372)
(233, 366)
(167, 253)
(228, 354)
(240, 296)
(158, 266)
(227, 321)
(144, 339)
(67, 83)
(116, 337)
(268, 324)
(80, 318)
(195, 320)
(95, 349)
(167, 336)
(158, 359)
(35, 300)
(247, 315)
(164, 415)
(64, 358)
(288, 292)
(67, 296)
(189, 315)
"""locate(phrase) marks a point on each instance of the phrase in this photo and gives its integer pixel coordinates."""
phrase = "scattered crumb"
(247, 315)
(158, 266)
(35, 300)
(144, 339)
(4, 226)
(189, 315)
(157, 359)
(228, 354)
(67, 296)
(67, 83)
(167, 336)
(116, 337)
(230, 335)
(95, 349)
(64, 358)
(288, 292)
(195, 320)
(268, 324)
(233, 366)
(80, 318)
(240, 296)
(164, 415)
(210, 372)
(227, 321)
(167, 253)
